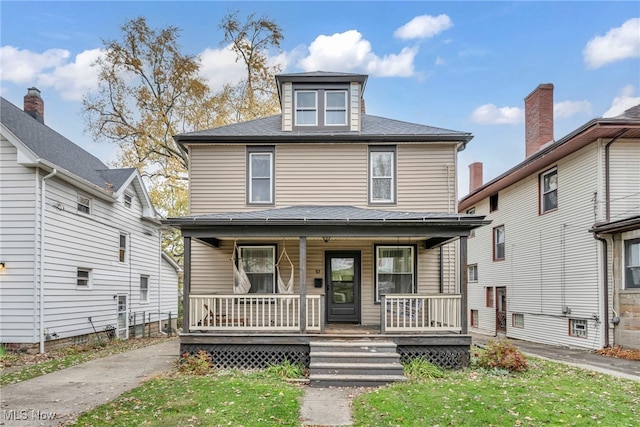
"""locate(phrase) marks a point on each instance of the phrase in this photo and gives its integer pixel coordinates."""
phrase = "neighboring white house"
(556, 264)
(80, 243)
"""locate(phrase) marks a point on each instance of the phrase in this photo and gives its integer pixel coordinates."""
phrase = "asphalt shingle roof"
(49, 145)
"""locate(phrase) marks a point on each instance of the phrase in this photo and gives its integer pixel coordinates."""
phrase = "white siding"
(17, 247)
(287, 106)
(354, 106)
(624, 179)
(551, 260)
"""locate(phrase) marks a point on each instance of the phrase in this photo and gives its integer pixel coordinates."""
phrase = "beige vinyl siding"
(322, 174)
(354, 106)
(212, 269)
(551, 260)
(624, 179)
(17, 247)
(287, 106)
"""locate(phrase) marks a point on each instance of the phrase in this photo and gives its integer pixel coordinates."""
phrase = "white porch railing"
(420, 313)
(253, 312)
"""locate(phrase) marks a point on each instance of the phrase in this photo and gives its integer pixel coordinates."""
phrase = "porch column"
(463, 286)
(303, 285)
(186, 284)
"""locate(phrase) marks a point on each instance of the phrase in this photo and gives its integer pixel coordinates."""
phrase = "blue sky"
(465, 66)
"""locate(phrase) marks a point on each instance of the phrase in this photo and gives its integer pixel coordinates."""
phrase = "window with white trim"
(395, 270)
(128, 200)
(498, 243)
(335, 110)
(144, 288)
(382, 174)
(632, 264)
(122, 255)
(83, 278)
(578, 328)
(517, 320)
(260, 175)
(84, 204)
(306, 108)
(549, 190)
(258, 263)
(472, 272)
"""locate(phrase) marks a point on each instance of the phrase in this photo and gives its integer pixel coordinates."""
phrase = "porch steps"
(354, 363)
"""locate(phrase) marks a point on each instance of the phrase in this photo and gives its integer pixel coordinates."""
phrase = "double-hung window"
(472, 272)
(335, 103)
(122, 255)
(395, 270)
(632, 264)
(128, 200)
(549, 190)
(260, 179)
(382, 173)
(258, 263)
(498, 243)
(144, 288)
(306, 108)
(83, 279)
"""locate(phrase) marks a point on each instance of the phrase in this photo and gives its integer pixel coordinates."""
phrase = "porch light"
(2, 266)
(326, 239)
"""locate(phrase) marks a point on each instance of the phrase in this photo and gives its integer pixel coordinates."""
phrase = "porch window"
(382, 181)
(260, 180)
(632, 263)
(395, 270)
(549, 190)
(259, 265)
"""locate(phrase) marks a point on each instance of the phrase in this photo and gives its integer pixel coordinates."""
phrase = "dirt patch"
(620, 353)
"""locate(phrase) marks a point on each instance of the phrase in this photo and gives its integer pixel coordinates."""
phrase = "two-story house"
(559, 263)
(323, 221)
(80, 243)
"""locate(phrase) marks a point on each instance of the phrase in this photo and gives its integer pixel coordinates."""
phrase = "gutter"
(43, 188)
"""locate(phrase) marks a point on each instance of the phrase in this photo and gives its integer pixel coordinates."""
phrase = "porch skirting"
(450, 351)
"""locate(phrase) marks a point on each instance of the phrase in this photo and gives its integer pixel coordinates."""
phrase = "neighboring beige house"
(560, 262)
(80, 243)
(358, 211)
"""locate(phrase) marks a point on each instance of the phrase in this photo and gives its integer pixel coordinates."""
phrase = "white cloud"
(75, 79)
(623, 102)
(440, 61)
(219, 66)
(24, 66)
(423, 26)
(489, 114)
(619, 43)
(564, 109)
(350, 52)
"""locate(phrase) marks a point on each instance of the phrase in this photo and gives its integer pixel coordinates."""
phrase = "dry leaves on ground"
(620, 353)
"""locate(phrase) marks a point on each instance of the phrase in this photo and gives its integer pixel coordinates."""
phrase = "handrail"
(420, 313)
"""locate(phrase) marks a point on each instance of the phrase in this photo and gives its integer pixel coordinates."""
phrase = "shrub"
(196, 364)
(502, 354)
(419, 369)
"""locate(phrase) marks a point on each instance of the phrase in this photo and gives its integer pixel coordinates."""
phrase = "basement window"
(578, 328)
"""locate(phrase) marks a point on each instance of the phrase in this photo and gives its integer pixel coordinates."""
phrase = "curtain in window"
(259, 266)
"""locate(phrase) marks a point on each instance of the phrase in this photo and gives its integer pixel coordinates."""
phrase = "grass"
(16, 367)
(547, 394)
(235, 399)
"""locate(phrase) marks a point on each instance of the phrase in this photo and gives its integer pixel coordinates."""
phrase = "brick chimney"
(34, 105)
(362, 108)
(538, 111)
(475, 176)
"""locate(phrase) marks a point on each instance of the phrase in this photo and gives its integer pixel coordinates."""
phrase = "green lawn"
(549, 394)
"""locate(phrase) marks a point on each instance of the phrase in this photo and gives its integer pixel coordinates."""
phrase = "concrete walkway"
(58, 397)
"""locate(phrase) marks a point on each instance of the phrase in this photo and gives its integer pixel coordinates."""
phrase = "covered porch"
(359, 274)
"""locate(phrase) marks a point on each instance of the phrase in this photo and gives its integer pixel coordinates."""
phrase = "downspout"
(605, 285)
(43, 188)
(160, 284)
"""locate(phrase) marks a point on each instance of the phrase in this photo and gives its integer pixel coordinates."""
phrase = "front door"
(342, 276)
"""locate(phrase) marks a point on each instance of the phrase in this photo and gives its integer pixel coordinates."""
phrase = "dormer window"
(306, 108)
(335, 108)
